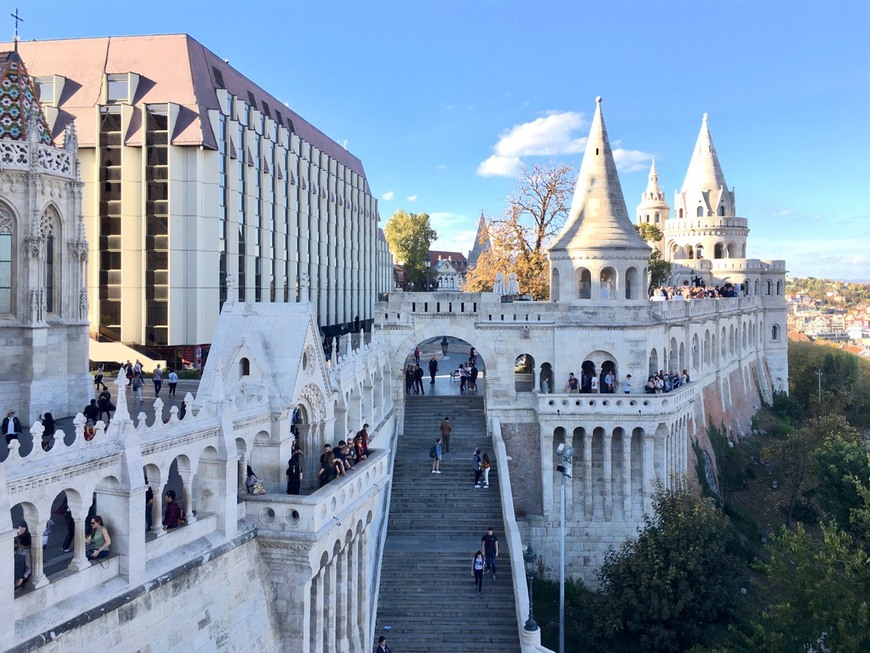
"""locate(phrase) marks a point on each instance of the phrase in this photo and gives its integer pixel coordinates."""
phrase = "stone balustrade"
(22, 155)
(616, 404)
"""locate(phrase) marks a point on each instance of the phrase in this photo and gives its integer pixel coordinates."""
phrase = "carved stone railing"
(18, 155)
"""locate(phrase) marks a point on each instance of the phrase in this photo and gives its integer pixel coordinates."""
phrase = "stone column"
(80, 556)
(187, 496)
(362, 591)
(548, 468)
(607, 470)
(648, 470)
(317, 627)
(353, 580)
(329, 612)
(587, 475)
(626, 475)
(341, 601)
(38, 577)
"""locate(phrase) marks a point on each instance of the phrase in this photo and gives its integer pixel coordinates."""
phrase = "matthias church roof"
(18, 98)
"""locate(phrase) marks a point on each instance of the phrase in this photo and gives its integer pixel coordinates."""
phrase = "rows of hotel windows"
(256, 150)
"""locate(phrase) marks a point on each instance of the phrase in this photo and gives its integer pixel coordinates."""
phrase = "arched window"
(554, 285)
(632, 284)
(774, 334)
(721, 209)
(607, 281)
(657, 218)
(779, 287)
(700, 212)
(690, 252)
(244, 367)
(49, 273)
(584, 283)
(718, 251)
(769, 287)
(681, 213)
(6, 266)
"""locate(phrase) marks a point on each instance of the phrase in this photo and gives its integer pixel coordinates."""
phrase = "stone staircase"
(428, 601)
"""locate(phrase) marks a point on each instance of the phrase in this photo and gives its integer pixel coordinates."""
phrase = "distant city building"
(449, 269)
(196, 180)
(43, 251)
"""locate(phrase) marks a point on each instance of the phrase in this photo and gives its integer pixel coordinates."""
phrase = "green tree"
(843, 466)
(409, 236)
(659, 269)
(817, 594)
(674, 586)
(845, 381)
(534, 215)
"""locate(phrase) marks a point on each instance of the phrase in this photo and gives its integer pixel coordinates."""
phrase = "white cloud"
(388, 196)
(500, 166)
(547, 136)
(781, 213)
(550, 135)
(631, 160)
(412, 198)
(441, 166)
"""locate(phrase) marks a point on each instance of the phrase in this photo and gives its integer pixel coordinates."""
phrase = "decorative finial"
(705, 118)
(17, 19)
(598, 99)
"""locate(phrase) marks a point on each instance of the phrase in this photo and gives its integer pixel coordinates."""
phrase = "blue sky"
(442, 100)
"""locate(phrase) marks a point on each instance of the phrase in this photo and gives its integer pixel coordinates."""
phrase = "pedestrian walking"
(382, 645)
(433, 369)
(416, 355)
(475, 466)
(484, 464)
(489, 542)
(157, 378)
(418, 380)
(477, 571)
(435, 455)
(173, 382)
(446, 428)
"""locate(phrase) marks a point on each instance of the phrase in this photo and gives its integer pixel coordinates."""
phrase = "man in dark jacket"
(11, 427)
(433, 368)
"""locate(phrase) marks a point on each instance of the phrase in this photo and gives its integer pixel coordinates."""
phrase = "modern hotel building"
(198, 184)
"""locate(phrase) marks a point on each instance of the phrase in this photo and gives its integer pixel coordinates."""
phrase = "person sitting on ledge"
(99, 540)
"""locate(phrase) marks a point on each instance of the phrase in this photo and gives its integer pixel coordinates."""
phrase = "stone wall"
(523, 444)
(221, 601)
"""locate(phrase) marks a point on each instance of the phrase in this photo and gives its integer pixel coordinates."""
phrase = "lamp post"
(819, 373)
(564, 454)
(428, 267)
(531, 560)
(444, 346)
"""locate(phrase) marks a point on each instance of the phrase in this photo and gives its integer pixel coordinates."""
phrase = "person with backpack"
(435, 453)
(477, 571)
(476, 467)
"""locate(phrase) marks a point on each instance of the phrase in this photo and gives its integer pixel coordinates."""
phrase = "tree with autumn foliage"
(535, 213)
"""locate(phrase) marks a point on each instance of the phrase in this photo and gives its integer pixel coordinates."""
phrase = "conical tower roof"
(18, 99)
(598, 218)
(481, 241)
(704, 172)
(653, 190)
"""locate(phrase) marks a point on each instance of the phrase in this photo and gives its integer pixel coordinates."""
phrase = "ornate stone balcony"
(20, 155)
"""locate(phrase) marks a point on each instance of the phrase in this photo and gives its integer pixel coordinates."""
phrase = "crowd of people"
(661, 382)
(340, 460)
(693, 291)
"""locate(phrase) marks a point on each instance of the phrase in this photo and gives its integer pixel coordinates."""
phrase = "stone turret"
(598, 255)
(652, 208)
(706, 224)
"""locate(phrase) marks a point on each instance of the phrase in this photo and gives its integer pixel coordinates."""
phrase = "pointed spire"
(598, 218)
(704, 172)
(653, 190)
(481, 241)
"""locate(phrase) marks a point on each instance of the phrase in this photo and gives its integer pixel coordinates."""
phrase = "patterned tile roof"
(17, 99)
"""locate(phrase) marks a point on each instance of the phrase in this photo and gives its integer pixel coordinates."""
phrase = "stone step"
(428, 600)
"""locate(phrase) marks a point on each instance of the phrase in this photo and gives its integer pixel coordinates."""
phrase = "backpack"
(432, 451)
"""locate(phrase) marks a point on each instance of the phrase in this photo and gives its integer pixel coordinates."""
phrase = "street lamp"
(428, 267)
(444, 346)
(531, 560)
(564, 453)
(819, 373)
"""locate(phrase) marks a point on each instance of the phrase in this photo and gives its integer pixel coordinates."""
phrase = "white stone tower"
(43, 251)
(598, 255)
(653, 209)
(705, 224)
